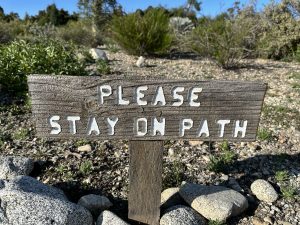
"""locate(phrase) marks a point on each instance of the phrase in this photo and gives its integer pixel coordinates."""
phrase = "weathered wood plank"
(80, 96)
(145, 174)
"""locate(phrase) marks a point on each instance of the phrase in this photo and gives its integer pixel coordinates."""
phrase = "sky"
(209, 7)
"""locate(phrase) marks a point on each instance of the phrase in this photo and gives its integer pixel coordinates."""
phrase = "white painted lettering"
(56, 127)
(185, 124)
(222, 124)
(159, 97)
(193, 97)
(93, 126)
(72, 120)
(177, 96)
(203, 129)
(140, 126)
(111, 125)
(239, 128)
(104, 91)
(140, 95)
(121, 101)
(158, 126)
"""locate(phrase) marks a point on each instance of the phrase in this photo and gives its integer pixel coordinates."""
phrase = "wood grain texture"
(78, 96)
(145, 175)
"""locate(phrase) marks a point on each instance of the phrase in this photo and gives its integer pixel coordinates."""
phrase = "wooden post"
(145, 177)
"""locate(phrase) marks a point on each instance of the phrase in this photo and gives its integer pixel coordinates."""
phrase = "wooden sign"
(146, 112)
(136, 109)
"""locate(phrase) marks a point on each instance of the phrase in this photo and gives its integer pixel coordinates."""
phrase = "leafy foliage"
(281, 29)
(218, 39)
(21, 58)
(102, 67)
(80, 33)
(143, 34)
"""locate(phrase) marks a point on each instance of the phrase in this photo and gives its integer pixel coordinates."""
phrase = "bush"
(10, 31)
(281, 30)
(142, 34)
(21, 58)
(222, 39)
(80, 33)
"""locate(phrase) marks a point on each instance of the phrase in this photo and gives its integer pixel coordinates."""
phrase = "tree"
(2, 15)
(193, 5)
(100, 11)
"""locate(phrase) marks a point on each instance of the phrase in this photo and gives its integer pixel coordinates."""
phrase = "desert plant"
(142, 34)
(218, 39)
(281, 29)
(221, 162)
(264, 134)
(46, 56)
(86, 167)
(288, 192)
(80, 33)
(102, 67)
(281, 176)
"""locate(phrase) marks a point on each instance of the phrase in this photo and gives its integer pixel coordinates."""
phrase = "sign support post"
(145, 181)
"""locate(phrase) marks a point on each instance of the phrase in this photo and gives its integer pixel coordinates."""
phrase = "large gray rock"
(108, 218)
(26, 201)
(95, 203)
(264, 191)
(12, 166)
(170, 197)
(182, 215)
(214, 202)
(98, 54)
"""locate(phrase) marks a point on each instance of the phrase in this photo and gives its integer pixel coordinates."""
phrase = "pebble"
(95, 203)
(85, 148)
(140, 62)
(264, 191)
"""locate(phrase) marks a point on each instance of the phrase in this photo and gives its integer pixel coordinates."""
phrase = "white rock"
(108, 218)
(85, 148)
(97, 54)
(264, 191)
(95, 203)
(12, 166)
(170, 197)
(214, 202)
(140, 62)
(26, 201)
(182, 215)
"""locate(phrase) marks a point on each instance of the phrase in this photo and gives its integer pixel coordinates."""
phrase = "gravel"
(59, 163)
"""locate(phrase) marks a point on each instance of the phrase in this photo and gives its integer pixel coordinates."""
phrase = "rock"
(108, 218)
(95, 203)
(170, 197)
(195, 143)
(26, 201)
(140, 62)
(181, 25)
(264, 191)
(12, 166)
(98, 54)
(85, 148)
(214, 202)
(182, 215)
(257, 221)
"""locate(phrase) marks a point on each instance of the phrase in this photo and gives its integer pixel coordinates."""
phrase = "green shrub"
(86, 167)
(281, 176)
(281, 30)
(102, 67)
(21, 58)
(264, 135)
(221, 162)
(10, 31)
(222, 39)
(80, 33)
(142, 34)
